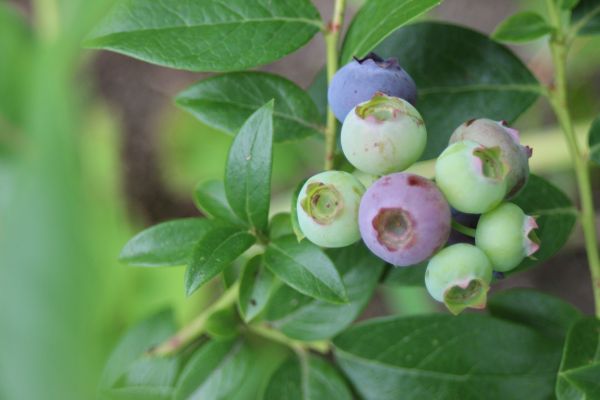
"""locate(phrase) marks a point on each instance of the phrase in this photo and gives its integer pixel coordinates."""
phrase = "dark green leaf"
(555, 214)
(166, 244)
(223, 324)
(461, 74)
(522, 27)
(208, 35)
(413, 275)
(226, 101)
(594, 141)
(376, 20)
(446, 357)
(213, 253)
(579, 376)
(303, 318)
(567, 4)
(294, 212)
(305, 267)
(318, 92)
(210, 198)
(248, 170)
(280, 225)
(256, 286)
(546, 314)
(586, 16)
(311, 378)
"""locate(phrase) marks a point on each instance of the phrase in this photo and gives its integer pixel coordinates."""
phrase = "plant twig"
(465, 230)
(296, 345)
(332, 36)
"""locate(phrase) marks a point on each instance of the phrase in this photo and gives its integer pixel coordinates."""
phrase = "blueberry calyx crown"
(469, 293)
(490, 163)
(323, 203)
(381, 62)
(385, 108)
(394, 227)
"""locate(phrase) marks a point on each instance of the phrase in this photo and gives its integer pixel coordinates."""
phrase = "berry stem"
(557, 96)
(192, 331)
(332, 36)
(465, 230)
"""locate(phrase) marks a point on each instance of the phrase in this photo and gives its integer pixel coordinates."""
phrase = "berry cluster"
(406, 219)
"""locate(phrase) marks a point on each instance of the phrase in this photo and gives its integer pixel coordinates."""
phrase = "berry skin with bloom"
(404, 219)
(497, 133)
(506, 235)
(327, 208)
(471, 176)
(459, 276)
(383, 135)
(359, 80)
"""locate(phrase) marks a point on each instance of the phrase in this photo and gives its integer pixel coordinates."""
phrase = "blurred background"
(93, 149)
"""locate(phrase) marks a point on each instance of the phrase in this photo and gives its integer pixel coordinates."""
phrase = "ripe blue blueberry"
(498, 134)
(459, 276)
(471, 176)
(506, 235)
(383, 135)
(404, 219)
(359, 80)
(327, 208)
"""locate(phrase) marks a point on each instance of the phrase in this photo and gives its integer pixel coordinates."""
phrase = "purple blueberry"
(357, 82)
(404, 219)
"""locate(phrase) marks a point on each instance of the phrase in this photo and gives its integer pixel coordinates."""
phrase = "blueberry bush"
(398, 93)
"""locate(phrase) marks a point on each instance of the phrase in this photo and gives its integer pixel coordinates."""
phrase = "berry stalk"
(558, 99)
(332, 36)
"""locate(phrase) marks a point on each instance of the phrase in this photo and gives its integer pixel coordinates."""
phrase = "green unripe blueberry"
(471, 176)
(497, 133)
(366, 179)
(327, 208)
(383, 135)
(459, 276)
(506, 235)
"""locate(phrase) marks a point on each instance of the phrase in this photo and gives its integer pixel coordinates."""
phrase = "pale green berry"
(366, 179)
(459, 276)
(383, 135)
(506, 235)
(327, 208)
(471, 176)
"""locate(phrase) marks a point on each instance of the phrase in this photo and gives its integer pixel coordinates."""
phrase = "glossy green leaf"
(223, 324)
(226, 101)
(213, 253)
(130, 374)
(303, 318)
(586, 17)
(594, 141)
(318, 92)
(256, 286)
(407, 276)
(210, 198)
(306, 268)
(280, 225)
(579, 376)
(567, 4)
(248, 170)
(311, 378)
(555, 215)
(546, 314)
(208, 35)
(522, 27)
(446, 357)
(461, 74)
(376, 20)
(166, 244)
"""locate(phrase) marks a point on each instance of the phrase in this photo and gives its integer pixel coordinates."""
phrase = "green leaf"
(226, 101)
(208, 35)
(461, 74)
(305, 267)
(522, 27)
(248, 170)
(210, 198)
(256, 286)
(594, 141)
(303, 318)
(294, 212)
(166, 244)
(130, 374)
(376, 20)
(311, 378)
(318, 92)
(446, 357)
(223, 324)
(546, 314)
(587, 17)
(213, 253)
(580, 367)
(555, 215)
(413, 275)
(567, 4)
(280, 225)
